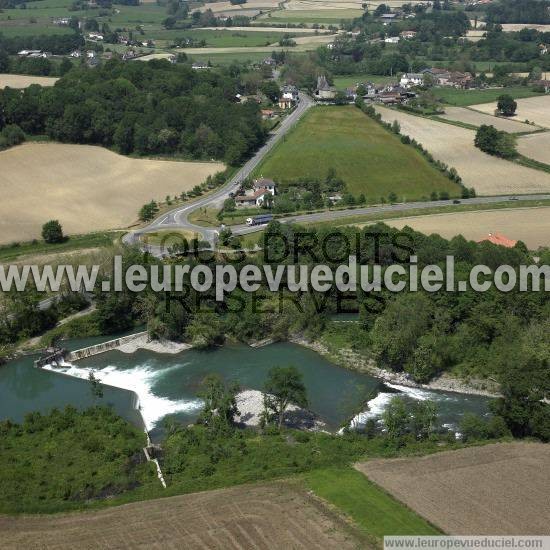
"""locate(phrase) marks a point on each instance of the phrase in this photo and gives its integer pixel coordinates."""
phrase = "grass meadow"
(462, 98)
(370, 159)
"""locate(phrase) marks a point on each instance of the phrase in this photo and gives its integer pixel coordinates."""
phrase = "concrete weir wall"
(102, 348)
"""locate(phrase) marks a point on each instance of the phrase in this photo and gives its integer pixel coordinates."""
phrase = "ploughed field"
(86, 188)
(275, 515)
(498, 489)
(487, 174)
(370, 159)
(530, 225)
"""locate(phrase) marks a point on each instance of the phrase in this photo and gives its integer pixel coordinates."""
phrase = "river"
(166, 384)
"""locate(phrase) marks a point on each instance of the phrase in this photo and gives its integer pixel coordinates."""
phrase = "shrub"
(52, 232)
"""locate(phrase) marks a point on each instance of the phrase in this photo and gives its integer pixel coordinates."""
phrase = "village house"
(265, 183)
(95, 36)
(62, 21)
(76, 54)
(543, 49)
(408, 80)
(27, 53)
(267, 113)
(500, 239)
(407, 34)
(199, 65)
(257, 198)
(444, 77)
(289, 96)
(324, 91)
(391, 39)
(269, 61)
(387, 18)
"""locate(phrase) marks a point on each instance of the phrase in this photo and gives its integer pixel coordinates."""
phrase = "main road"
(178, 218)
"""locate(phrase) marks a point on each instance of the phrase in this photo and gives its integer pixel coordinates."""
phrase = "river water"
(164, 384)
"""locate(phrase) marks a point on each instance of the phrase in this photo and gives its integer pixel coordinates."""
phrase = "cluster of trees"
(495, 142)
(11, 135)
(519, 11)
(59, 44)
(144, 108)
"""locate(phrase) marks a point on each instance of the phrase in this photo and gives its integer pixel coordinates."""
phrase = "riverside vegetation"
(490, 335)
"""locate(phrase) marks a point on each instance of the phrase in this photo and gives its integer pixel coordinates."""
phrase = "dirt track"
(86, 188)
(276, 515)
(499, 489)
(453, 145)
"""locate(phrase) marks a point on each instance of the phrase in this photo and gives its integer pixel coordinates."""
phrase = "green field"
(342, 82)
(367, 157)
(326, 17)
(228, 58)
(463, 98)
(220, 38)
(32, 29)
(372, 509)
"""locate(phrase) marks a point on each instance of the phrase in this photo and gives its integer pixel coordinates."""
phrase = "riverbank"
(349, 359)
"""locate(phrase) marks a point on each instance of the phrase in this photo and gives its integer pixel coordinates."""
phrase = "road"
(178, 217)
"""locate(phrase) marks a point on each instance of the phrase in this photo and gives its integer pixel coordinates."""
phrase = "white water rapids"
(139, 379)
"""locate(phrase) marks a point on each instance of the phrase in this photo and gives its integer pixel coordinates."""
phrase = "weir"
(102, 348)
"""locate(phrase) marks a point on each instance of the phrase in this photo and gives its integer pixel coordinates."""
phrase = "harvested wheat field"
(533, 109)
(276, 515)
(24, 81)
(86, 188)
(455, 146)
(462, 114)
(530, 225)
(498, 489)
(535, 146)
(515, 27)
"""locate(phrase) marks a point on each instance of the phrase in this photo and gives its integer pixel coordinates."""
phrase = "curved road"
(178, 217)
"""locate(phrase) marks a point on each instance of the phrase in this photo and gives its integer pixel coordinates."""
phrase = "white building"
(408, 80)
(391, 39)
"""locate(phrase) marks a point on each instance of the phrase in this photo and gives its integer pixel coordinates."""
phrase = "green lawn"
(220, 38)
(75, 242)
(463, 98)
(32, 29)
(373, 510)
(367, 157)
(342, 82)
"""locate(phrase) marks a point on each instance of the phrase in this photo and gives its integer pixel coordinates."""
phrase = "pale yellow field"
(533, 109)
(86, 188)
(514, 27)
(24, 81)
(154, 56)
(476, 118)
(453, 145)
(312, 39)
(530, 225)
(536, 146)
(475, 35)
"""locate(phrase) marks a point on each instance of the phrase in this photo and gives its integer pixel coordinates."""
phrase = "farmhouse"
(498, 238)
(257, 198)
(265, 183)
(443, 77)
(407, 34)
